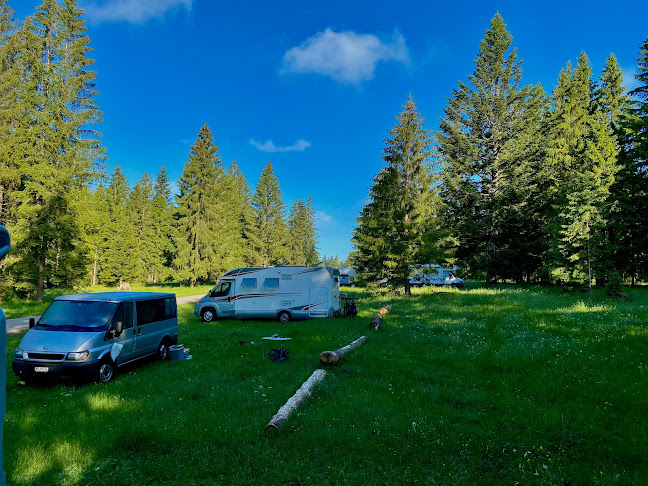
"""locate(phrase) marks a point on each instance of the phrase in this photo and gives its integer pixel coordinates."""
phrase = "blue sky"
(314, 86)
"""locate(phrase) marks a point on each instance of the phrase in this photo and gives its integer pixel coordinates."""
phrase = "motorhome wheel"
(208, 315)
(284, 316)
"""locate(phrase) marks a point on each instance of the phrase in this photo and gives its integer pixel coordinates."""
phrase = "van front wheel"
(208, 315)
(106, 371)
(284, 316)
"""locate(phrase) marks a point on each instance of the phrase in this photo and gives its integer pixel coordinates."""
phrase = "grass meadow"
(480, 386)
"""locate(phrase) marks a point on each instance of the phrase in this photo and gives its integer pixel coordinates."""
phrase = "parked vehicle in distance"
(431, 274)
(92, 335)
(347, 274)
(282, 292)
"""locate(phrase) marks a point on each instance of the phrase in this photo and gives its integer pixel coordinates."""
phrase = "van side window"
(154, 310)
(221, 290)
(271, 284)
(248, 283)
(125, 310)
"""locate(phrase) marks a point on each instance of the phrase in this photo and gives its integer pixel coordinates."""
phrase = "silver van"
(93, 334)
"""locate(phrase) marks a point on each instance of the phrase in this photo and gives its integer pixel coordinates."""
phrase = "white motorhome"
(431, 274)
(281, 292)
(347, 274)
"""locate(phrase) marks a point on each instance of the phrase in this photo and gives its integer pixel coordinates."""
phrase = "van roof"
(114, 296)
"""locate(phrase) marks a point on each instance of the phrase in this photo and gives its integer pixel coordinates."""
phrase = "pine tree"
(270, 240)
(301, 226)
(163, 228)
(197, 211)
(489, 147)
(395, 223)
(142, 213)
(119, 236)
(245, 213)
(582, 155)
(58, 92)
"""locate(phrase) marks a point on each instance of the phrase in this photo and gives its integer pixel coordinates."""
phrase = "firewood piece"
(293, 402)
(332, 357)
(376, 322)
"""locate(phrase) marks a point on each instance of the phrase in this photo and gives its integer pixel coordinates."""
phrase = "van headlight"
(78, 356)
(18, 354)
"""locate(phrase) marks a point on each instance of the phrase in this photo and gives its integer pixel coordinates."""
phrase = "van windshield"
(78, 315)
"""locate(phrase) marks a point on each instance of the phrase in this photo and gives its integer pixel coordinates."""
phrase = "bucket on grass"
(176, 352)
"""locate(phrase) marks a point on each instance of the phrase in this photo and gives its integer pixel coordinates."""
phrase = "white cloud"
(133, 11)
(323, 219)
(269, 146)
(345, 56)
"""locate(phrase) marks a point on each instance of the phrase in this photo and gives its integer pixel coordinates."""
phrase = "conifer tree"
(204, 224)
(270, 240)
(583, 156)
(245, 213)
(63, 151)
(120, 238)
(395, 223)
(163, 228)
(301, 226)
(489, 147)
(142, 213)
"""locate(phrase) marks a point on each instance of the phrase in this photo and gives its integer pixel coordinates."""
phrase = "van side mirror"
(119, 327)
(32, 322)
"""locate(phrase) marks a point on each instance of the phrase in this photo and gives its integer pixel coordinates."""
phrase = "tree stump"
(293, 402)
(376, 322)
(332, 357)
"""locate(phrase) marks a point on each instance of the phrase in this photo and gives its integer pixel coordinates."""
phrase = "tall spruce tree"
(301, 226)
(58, 93)
(489, 148)
(202, 234)
(120, 238)
(270, 240)
(582, 154)
(394, 224)
(245, 213)
(163, 228)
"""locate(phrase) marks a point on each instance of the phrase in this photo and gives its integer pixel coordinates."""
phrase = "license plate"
(41, 369)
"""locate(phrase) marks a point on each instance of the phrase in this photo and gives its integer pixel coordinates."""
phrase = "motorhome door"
(319, 302)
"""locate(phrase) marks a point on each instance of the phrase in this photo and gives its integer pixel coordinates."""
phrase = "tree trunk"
(376, 322)
(40, 286)
(332, 357)
(293, 402)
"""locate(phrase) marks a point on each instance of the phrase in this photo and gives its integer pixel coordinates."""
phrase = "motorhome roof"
(114, 296)
(242, 270)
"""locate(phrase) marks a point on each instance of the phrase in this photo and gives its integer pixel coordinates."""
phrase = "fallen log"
(332, 357)
(293, 402)
(376, 322)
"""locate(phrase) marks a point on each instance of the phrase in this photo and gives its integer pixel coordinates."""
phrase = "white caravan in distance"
(281, 292)
(431, 274)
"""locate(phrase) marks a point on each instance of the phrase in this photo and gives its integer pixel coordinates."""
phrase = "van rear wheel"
(208, 315)
(284, 316)
(163, 350)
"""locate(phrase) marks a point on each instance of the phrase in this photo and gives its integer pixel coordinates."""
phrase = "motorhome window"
(154, 310)
(271, 284)
(248, 283)
(77, 314)
(221, 290)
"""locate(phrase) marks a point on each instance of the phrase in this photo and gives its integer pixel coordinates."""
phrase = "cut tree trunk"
(293, 402)
(332, 357)
(376, 322)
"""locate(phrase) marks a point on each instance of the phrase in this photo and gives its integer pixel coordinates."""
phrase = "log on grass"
(332, 357)
(294, 401)
(376, 322)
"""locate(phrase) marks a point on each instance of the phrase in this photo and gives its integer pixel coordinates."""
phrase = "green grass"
(499, 386)
(18, 307)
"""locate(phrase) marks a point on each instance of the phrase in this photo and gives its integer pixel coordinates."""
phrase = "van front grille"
(47, 356)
